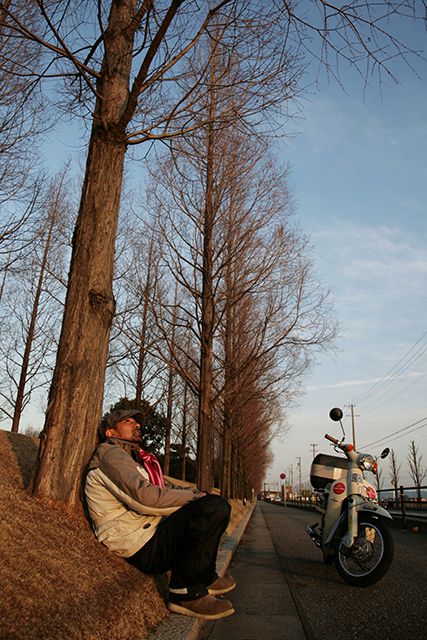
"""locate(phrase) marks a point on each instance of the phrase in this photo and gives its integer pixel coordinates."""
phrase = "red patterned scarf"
(152, 467)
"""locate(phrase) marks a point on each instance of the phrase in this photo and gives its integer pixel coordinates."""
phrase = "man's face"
(126, 429)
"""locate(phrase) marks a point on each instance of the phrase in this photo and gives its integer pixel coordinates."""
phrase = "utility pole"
(299, 471)
(353, 426)
(313, 449)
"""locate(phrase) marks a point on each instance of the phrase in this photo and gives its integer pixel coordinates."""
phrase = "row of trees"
(267, 311)
(214, 298)
(417, 470)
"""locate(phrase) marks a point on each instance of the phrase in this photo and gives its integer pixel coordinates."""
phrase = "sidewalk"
(264, 605)
(262, 600)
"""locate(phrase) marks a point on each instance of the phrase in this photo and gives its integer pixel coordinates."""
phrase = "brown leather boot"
(222, 585)
(207, 607)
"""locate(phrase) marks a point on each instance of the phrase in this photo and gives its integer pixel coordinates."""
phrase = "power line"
(396, 371)
(401, 375)
(402, 432)
(396, 395)
(388, 440)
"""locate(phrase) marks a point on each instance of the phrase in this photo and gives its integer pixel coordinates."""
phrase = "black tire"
(371, 555)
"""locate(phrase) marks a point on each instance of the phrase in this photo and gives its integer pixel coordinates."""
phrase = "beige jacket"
(124, 507)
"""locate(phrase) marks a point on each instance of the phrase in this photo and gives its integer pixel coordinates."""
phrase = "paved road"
(392, 609)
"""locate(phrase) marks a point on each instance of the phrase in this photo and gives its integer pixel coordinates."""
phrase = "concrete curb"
(177, 627)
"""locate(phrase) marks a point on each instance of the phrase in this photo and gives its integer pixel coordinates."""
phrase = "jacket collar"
(124, 444)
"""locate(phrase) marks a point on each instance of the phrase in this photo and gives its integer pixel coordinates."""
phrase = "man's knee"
(216, 506)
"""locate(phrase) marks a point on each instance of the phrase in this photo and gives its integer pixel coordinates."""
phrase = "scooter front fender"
(375, 509)
(341, 522)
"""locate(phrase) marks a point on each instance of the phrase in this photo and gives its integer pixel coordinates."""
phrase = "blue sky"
(359, 172)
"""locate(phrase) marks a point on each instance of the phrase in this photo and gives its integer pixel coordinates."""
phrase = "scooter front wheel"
(370, 557)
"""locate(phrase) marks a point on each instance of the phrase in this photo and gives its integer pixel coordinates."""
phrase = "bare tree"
(27, 364)
(131, 364)
(394, 473)
(34, 313)
(268, 310)
(273, 312)
(379, 480)
(18, 232)
(186, 404)
(21, 123)
(417, 470)
(364, 35)
(170, 391)
(200, 204)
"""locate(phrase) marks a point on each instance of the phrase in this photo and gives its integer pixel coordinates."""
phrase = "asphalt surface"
(308, 599)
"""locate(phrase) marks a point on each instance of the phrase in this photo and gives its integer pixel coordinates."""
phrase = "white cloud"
(364, 262)
(368, 381)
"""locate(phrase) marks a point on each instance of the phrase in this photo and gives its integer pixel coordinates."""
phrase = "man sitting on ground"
(157, 527)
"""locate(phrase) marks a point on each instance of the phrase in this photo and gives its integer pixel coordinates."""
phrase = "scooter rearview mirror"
(336, 415)
(385, 453)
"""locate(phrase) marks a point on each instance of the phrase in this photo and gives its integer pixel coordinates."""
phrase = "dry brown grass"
(56, 580)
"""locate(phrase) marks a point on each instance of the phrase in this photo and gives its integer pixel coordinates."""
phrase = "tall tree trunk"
(167, 460)
(204, 440)
(3, 283)
(229, 366)
(166, 464)
(143, 337)
(225, 481)
(205, 428)
(234, 477)
(19, 401)
(184, 432)
(75, 399)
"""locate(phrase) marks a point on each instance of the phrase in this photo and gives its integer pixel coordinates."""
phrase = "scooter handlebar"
(331, 439)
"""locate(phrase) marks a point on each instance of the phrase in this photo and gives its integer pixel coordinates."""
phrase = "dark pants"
(186, 543)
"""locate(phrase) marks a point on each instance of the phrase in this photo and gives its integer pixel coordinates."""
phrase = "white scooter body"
(364, 496)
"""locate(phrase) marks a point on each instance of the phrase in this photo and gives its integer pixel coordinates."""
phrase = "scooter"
(353, 531)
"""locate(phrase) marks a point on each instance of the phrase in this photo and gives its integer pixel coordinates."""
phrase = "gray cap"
(116, 416)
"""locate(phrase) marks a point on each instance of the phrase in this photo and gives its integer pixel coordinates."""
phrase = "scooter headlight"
(366, 462)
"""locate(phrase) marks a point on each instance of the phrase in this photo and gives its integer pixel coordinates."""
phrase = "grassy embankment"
(56, 580)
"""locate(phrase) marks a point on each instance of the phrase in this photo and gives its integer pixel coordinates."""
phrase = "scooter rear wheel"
(370, 557)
